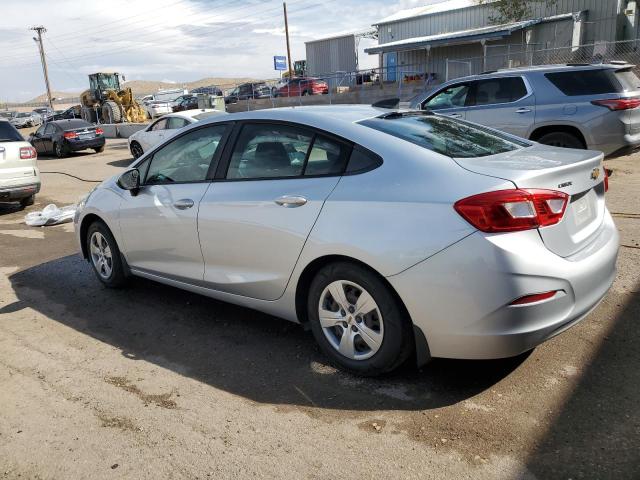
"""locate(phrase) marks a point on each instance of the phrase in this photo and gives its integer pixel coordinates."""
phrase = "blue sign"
(279, 63)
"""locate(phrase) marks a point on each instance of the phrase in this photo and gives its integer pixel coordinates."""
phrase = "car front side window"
(269, 151)
(187, 158)
(453, 96)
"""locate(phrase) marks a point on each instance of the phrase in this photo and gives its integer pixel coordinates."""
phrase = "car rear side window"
(443, 135)
(628, 79)
(362, 160)
(584, 82)
(326, 157)
(497, 90)
(8, 133)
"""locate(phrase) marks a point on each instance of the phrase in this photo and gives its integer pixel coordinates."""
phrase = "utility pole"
(286, 31)
(38, 40)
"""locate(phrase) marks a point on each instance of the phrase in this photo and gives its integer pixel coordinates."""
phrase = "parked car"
(387, 233)
(297, 87)
(44, 112)
(157, 108)
(180, 99)
(160, 130)
(189, 103)
(211, 90)
(7, 114)
(575, 106)
(22, 120)
(61, 137)
(19, 173)
(71, 112)
(248, 90)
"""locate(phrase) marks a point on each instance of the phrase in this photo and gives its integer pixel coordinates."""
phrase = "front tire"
(111, 112)
(104, 255)
(136, 150)
(99, 149)
(357, 321)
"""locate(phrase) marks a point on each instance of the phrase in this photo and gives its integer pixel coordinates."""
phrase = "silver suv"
(575, 106)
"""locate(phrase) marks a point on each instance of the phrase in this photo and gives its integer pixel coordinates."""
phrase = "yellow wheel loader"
(107, 102)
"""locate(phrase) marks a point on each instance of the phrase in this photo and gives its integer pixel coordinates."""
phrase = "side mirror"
(130, 180)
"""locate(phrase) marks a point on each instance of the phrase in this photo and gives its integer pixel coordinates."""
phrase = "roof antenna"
(390, 103)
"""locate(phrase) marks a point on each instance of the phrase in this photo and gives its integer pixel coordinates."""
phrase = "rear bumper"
(18, 192)
(461, 297)
(84, 144)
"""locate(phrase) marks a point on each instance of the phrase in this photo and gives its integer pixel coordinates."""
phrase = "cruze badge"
(595, 173)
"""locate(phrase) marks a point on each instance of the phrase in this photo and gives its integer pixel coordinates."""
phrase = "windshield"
(445, 136)
(8, 133)
(22, 115)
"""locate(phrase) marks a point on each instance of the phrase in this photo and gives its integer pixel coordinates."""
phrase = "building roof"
(350, 33)
(463, 36)
(445, 6)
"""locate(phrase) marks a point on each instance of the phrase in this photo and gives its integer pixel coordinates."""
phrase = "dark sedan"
(61, 137)
(71, 112)
(188, 103)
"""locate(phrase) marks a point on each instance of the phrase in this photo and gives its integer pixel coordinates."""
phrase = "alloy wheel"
(351, 320)
(101, 255)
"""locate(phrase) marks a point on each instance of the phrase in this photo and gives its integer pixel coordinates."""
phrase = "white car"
(164, 127)
(19, 174)
(157, 108)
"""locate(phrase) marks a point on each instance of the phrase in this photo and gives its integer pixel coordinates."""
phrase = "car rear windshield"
(8, 133)
(71, 124)
(628, 79)
(585, 82)
(443, 135)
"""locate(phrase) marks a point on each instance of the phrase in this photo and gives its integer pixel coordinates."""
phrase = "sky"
(168, 40)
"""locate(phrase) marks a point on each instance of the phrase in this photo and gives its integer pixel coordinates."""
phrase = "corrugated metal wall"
(602, 18)
(331, 55)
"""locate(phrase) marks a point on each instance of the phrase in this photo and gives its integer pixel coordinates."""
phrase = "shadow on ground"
(10, 207)
(121, 163)
(597, 433)
(241, 351)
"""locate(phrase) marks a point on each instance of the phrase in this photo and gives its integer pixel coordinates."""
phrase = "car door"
(36, 139)
(255, 217)
(154, 135)
(449, 100)
(47, 138)
(159, 223)
(504, 103)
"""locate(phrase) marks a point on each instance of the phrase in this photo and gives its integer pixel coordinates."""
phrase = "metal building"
(334, 55)
(432, 40)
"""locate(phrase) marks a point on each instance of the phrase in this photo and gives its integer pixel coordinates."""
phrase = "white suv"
(19, 174)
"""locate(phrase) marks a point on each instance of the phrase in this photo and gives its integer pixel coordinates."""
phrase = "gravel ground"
(153, 382)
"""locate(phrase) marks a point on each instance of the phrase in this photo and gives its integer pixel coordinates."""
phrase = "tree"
(513, 10)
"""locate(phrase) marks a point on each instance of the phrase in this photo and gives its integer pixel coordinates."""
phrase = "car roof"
(190, 114)
(545, 68)
(311, 114)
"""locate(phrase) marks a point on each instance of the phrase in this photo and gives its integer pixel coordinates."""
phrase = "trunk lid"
(578, 173)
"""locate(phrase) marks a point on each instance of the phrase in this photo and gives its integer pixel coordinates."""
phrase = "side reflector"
(537, 297)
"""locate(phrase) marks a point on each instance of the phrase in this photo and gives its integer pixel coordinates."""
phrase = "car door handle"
(183, 204)
(290, 201)
(523, 110)
(455, 115)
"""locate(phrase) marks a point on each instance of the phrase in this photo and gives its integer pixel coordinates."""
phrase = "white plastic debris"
(51, 215)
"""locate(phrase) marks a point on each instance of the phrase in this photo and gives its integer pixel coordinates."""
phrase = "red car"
(303, 86)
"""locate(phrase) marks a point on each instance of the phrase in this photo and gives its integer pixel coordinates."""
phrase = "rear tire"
(28, 201)
(111, 112)
(99, 149)
(561, 139)
(60, 150)
(379, 336)
(104, 256)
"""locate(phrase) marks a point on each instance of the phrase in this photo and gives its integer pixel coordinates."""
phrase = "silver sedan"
(390, 234)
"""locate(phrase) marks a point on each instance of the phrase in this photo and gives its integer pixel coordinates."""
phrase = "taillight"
(606, 180)
(27, 153)
(618, 103)
(70, 135)
(513, 210)
(99, 131)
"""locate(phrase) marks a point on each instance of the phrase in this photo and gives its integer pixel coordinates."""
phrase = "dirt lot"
(152, 382)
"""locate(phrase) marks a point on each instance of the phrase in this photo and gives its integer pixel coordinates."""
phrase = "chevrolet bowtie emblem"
(595, 173)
